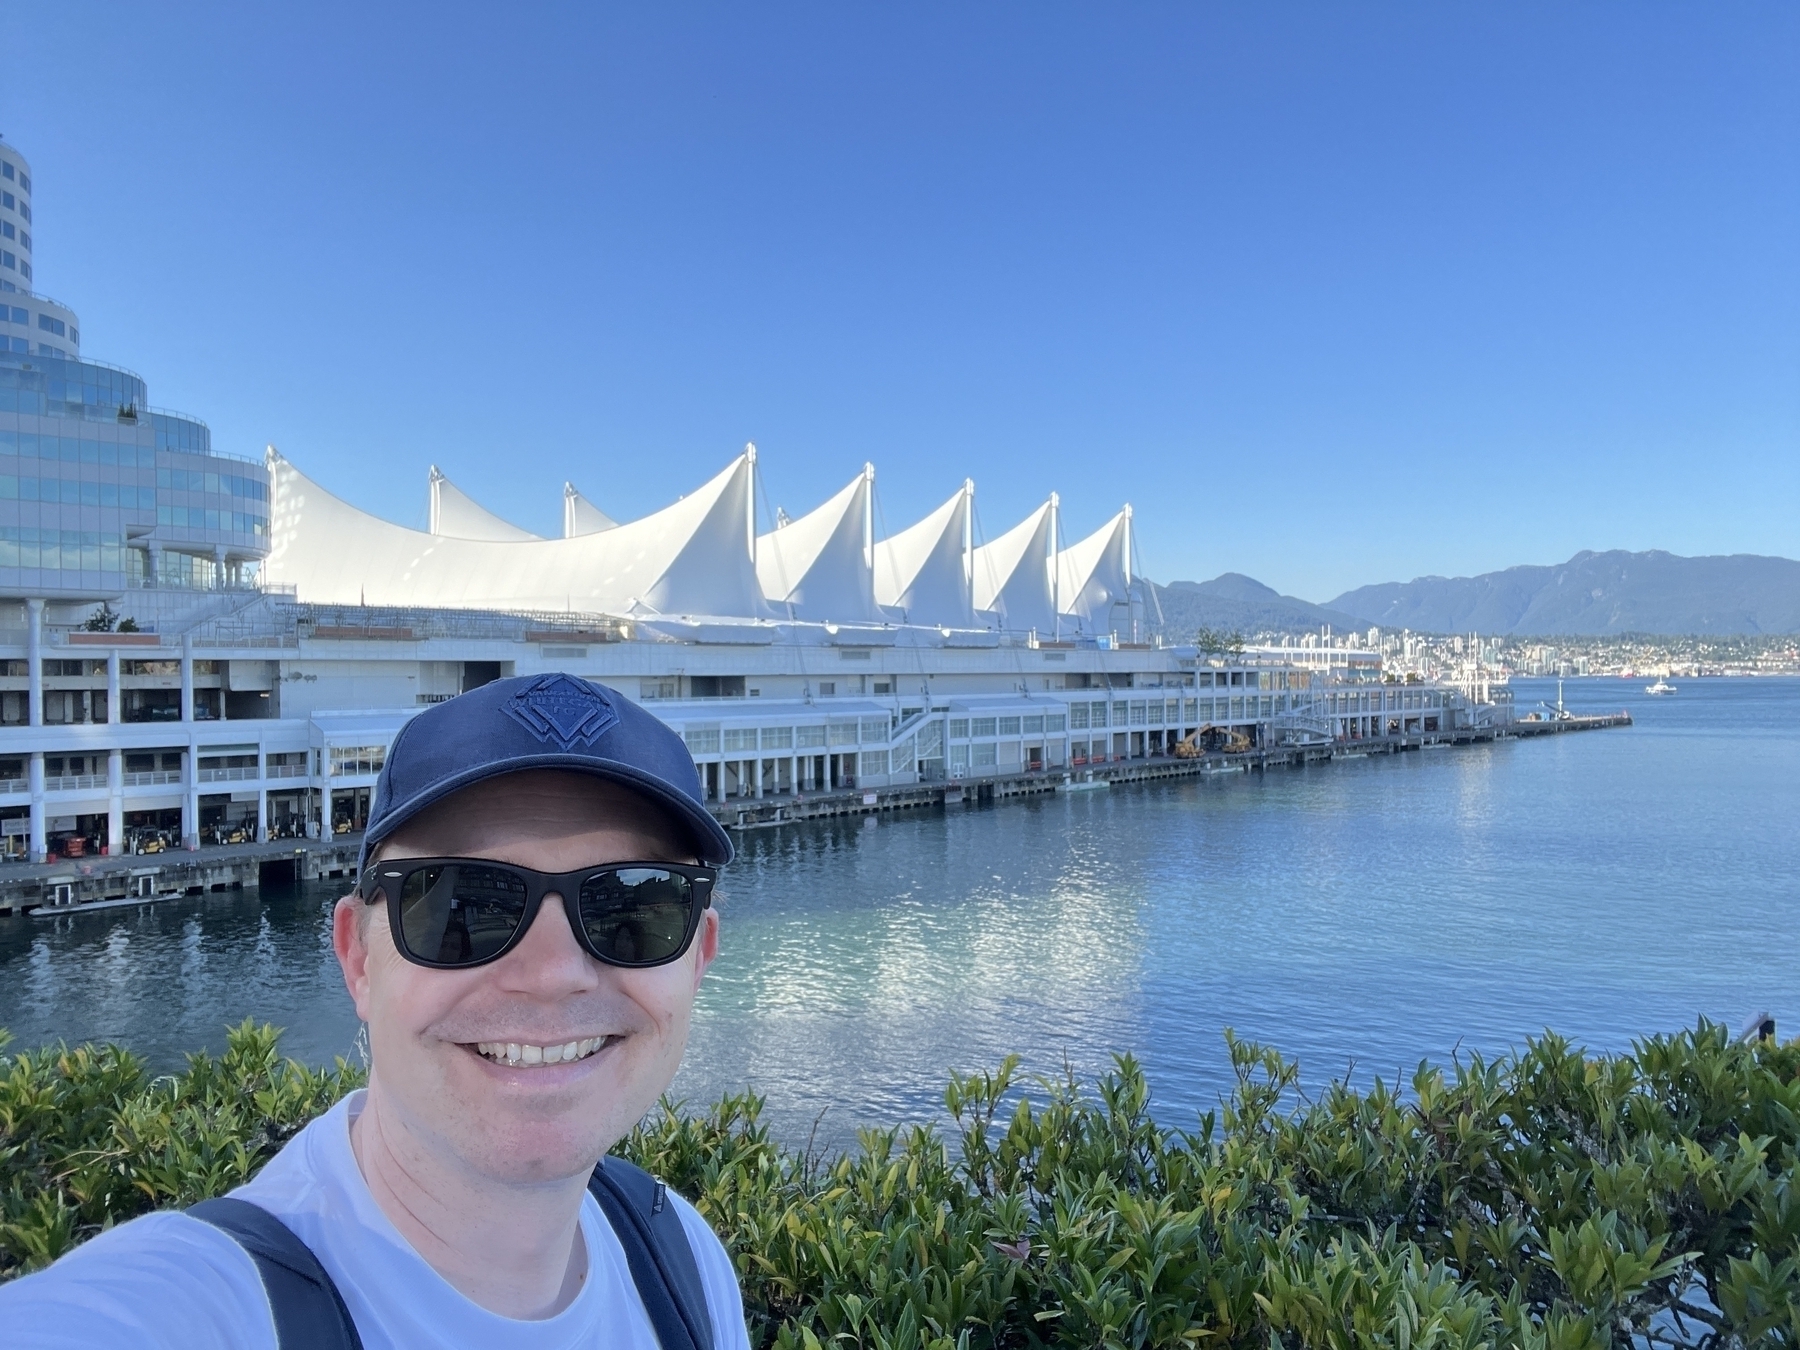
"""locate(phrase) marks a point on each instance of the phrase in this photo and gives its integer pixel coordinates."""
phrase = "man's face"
(524, 1123)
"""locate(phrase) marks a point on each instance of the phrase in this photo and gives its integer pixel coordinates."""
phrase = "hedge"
(1546, 1200)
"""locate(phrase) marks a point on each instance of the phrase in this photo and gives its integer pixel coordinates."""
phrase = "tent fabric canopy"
(694, 557)
(817, 567)
(1012, 575)
(457, 515)
(580, 516)
(700, 560)
(922, 573)
(1095, 574)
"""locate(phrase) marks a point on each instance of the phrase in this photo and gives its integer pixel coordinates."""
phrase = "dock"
(71, 884)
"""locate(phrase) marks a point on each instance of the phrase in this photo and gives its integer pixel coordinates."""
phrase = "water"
(1365, 913)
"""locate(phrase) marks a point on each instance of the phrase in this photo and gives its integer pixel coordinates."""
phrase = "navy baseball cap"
(540, 722)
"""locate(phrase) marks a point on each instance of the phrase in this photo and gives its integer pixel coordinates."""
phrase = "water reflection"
(1379, 910)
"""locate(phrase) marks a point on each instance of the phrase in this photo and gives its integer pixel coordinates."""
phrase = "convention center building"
(200, 650)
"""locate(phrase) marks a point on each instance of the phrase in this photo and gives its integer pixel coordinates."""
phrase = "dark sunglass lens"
(637, 916)
(457, 914)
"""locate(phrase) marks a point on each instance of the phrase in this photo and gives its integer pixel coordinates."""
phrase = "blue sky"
(1332, 294)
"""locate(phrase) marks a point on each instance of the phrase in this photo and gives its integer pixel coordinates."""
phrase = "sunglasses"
(454, 913)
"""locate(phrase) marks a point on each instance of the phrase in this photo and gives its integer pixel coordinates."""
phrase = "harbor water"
(1361, 915)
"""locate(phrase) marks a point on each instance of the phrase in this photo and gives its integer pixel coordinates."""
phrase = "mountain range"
(1592, 594)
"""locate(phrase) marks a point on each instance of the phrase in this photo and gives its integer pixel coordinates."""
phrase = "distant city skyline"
(1334, 299)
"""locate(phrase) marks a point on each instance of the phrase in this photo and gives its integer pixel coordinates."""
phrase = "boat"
(1660, 687)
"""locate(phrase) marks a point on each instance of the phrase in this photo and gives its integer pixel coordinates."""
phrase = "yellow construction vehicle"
(1211, 740)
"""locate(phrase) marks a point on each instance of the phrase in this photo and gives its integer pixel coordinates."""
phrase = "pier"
(66, 885)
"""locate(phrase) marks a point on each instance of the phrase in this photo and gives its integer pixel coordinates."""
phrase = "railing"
(15, 785)
(154, 778)
(188, 417)
(247, 774)
(285, 771)
(85, 781)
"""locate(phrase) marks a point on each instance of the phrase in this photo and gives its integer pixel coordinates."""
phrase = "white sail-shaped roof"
(692, 558)
(457, 515)
(923, 571)
(1095, 574)
(580, 516)
(817, 567)
(1012, 575)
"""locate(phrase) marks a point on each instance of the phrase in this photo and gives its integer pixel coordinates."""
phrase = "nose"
(548, 962)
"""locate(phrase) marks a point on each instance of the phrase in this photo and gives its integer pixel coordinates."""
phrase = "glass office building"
(100, 493)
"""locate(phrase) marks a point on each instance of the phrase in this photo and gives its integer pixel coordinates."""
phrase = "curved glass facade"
(99, 494)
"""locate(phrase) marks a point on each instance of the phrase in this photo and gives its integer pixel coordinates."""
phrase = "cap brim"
(711, 844)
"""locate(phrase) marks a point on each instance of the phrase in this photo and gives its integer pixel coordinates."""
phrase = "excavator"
(1211, 740)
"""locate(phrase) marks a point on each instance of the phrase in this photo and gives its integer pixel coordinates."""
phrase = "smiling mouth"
(518, 1055)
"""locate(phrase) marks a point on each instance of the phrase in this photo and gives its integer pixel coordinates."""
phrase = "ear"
(706, 944)
(349, 939)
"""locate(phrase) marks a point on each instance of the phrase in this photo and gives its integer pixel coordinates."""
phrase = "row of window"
(68, 550)
(92, 450)
(76, 449)
(23, 236)
(127, 496)
(18, 265)
(354, 761)
(72, 381)
(22, 347)
(1386, 701)
(743, 740)
(14, 204)
(961, 728)
(6, 171)
(193, 480)
(197, 518)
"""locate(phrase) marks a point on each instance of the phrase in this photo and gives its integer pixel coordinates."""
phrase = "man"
(527, 1001)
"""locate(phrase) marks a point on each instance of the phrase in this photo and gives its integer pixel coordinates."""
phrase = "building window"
(959, 728)
(24, 241)
(827, 688)
(6, 169)
(1009, 726)
(7, 260)
(51, 324)
(874, 762)
(984, 755)
(355, 761)
(20, 315)
(6, 229)
(24, 182)
(981, 726)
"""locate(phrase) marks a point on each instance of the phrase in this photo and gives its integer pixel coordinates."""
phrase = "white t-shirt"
(168, 1280)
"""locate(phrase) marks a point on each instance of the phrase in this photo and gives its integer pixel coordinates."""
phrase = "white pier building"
(197, 649)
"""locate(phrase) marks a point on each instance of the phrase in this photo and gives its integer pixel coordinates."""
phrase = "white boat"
(1660, 687)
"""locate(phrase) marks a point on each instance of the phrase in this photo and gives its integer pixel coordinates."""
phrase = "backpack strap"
(656, 1246)
(308, 1310)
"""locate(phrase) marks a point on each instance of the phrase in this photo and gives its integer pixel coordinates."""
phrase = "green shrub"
(1548, 1200)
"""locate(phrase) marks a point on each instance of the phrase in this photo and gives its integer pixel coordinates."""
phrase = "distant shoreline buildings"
(199, 649)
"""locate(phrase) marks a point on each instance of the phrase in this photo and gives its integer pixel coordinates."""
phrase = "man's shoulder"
(163, 1280)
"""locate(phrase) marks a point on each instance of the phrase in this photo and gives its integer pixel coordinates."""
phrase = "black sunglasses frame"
(388, 879)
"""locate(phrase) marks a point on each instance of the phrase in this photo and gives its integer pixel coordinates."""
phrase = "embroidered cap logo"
(562, 711)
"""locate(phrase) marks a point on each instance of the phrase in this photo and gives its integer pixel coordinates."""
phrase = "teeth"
(517, 1053)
